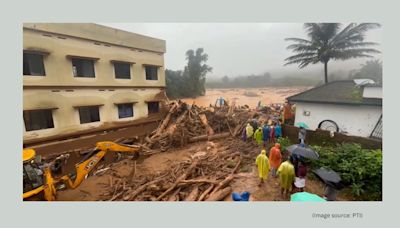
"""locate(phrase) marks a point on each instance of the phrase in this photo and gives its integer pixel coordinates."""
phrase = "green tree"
(327, 41)
(196, 71)
(175, 83)
(371, 69)
(190, 82)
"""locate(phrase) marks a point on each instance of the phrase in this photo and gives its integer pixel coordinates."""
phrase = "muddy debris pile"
(189, 123)
(204, 177)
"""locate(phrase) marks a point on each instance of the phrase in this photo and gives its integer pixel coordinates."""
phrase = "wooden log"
(219, 136)
(219, 195)
(227, 179)
(237, 166)
(165, 122)
(223, 183)
(206, 137)
(193, 194)
(204, 121)
(199, 138)
(171, 129)
(182, 177)
(229, 127)
(199, 181)
(205, 193)
(111, 181)
(132, 195)
(116, 196)
(173, 196)
(148, 140)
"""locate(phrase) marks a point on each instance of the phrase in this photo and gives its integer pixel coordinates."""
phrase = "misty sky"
(237, 48)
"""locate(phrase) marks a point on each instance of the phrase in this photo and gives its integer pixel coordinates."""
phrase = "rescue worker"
(286, 176)
(287, 113)
(244, 135)
(249, 131)
(258, 136)
(265, 134)
(302, 135)
(272, 133)
(275, 158)
(263, 166)
(278, 130)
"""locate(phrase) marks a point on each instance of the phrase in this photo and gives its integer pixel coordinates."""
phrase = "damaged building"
(80, 77)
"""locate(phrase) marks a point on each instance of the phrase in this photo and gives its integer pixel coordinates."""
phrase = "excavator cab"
(33, 175)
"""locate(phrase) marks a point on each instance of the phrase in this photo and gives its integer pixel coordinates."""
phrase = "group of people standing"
(291, 172)
(262, 134)
(290, 169)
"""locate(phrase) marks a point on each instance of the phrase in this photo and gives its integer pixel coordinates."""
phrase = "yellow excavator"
(39, 182)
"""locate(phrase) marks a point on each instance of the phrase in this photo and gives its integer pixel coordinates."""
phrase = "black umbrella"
(329, 177)
(302, 151)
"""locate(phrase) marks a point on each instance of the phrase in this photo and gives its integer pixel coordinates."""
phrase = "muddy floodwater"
(250, 97)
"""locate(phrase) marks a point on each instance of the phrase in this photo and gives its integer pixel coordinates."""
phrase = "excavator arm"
(83, 168)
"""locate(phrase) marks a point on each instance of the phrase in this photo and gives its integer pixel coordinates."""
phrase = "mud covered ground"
(93, 188)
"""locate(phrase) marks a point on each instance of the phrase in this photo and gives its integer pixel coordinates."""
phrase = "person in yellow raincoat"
(258, 136)
(249, 131)
(286, 176)
(263, 166)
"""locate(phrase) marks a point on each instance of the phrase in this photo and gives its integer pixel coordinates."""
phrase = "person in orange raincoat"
(275, 158)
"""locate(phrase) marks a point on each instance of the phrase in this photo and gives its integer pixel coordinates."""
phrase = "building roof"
(101, 33)
(337, 92)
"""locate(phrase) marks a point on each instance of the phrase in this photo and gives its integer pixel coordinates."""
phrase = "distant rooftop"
(101, 33)
(337, 92)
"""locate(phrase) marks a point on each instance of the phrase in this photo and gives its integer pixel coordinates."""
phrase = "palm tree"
(327, 42)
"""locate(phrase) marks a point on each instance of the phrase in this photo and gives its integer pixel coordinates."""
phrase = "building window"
(122, 70)
(125, 110)
(33, 64)
(151, 73)
(89, 114)
(38, 119)
(153, 107)
(83, 68)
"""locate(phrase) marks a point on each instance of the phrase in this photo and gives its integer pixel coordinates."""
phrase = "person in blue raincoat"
(266, 133)
(278, 130)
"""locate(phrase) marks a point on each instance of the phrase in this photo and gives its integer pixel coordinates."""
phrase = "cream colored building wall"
(58, 67)
(59, 89)
(66, 115)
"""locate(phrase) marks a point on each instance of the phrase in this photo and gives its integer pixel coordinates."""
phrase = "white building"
(347, 106)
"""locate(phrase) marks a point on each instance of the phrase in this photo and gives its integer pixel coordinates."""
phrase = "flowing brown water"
(250, 97)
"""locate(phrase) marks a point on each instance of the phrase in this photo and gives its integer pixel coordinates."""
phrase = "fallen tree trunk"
(219, 195)
(199, 138)
(219, 136)
(193, 194)
(173, 196)
(165, 122)
(132, 195)
(199, 181)
(181, 178)
(223, 183)
(205, 193)
(206, 137)
(228, 179)
(171, 129)
(204, 121)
